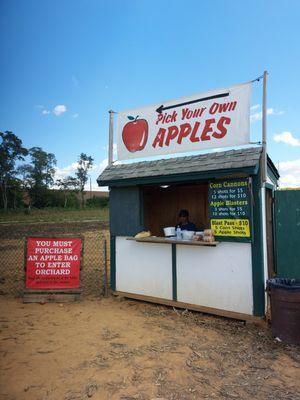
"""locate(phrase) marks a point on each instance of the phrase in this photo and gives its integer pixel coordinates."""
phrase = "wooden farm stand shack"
(226, 277)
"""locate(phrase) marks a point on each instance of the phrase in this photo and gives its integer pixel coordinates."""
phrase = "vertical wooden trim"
(141, 205)
(111, 137)
(174, 272)
(274, 195)
(269, 202)
(263, 158)
(113, 262)
(257, 251)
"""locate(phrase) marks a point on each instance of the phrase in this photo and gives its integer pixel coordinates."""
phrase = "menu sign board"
(53, 263)
(230, 208)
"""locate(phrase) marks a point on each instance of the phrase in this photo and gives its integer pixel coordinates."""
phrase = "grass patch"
(54, 215)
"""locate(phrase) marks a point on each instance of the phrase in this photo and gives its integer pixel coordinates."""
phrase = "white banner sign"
(219, 118)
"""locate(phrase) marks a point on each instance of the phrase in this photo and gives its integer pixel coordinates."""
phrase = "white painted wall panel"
(218, 277)
(144, 268)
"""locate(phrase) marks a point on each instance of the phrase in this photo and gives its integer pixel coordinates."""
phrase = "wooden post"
(111, 137)
(264, 130)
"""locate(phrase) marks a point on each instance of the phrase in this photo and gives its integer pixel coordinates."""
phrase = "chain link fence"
(12, 254)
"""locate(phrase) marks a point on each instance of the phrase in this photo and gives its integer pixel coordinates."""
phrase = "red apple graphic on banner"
(135, 134)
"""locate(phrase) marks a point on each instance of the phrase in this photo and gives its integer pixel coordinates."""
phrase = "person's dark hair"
(183, 213)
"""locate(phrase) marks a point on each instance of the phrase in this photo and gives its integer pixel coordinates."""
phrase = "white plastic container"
(169, 231)
(187, 235)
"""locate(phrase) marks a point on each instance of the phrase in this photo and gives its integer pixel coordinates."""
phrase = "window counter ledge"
(163, 240)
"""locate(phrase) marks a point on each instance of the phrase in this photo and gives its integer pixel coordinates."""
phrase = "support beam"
(264, 131)
(111, 137)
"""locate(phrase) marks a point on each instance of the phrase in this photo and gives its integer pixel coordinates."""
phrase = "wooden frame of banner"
(52, 295)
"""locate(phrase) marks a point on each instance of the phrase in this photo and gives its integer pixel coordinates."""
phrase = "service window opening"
(163, 203)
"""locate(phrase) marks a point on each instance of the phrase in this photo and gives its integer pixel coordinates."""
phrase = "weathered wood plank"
(51, 291)
(51, 296)
(193, 307)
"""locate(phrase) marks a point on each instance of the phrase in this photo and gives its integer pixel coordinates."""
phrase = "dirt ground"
(121, 349)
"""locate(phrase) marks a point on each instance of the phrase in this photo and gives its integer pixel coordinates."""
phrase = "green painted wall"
(257, 251)
(287, 233)
(125, 211)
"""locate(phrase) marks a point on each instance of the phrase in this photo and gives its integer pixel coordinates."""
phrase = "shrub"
(97, 202)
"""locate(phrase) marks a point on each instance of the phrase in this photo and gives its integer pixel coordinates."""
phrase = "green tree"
(39, 175)
(85, 163)
(11, 151)
(16, 193)
(24, 173)
(68, 185)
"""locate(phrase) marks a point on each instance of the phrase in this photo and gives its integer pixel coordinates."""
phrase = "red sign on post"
(53, 263)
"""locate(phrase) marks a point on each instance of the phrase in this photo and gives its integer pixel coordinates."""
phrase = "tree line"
(27, 177)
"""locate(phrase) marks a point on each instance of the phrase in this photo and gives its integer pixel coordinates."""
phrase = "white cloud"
(255, 107)
(287, 138)
(98, 168)
(61, 173)
(59, 109)
(289, 173)
(258, 115)
(271, 111)
(43, 109)
(97, 188)
(102, 165)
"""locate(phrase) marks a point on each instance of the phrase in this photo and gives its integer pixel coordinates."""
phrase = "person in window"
(183, 221)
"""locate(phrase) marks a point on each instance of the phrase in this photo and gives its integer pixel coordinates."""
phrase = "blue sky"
(89, 56)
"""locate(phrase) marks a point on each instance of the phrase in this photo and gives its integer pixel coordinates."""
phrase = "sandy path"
(121, 349)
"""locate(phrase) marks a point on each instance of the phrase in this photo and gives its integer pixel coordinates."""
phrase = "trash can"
(285, 309)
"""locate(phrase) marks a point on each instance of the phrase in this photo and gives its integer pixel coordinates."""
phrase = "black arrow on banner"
(161, 108)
